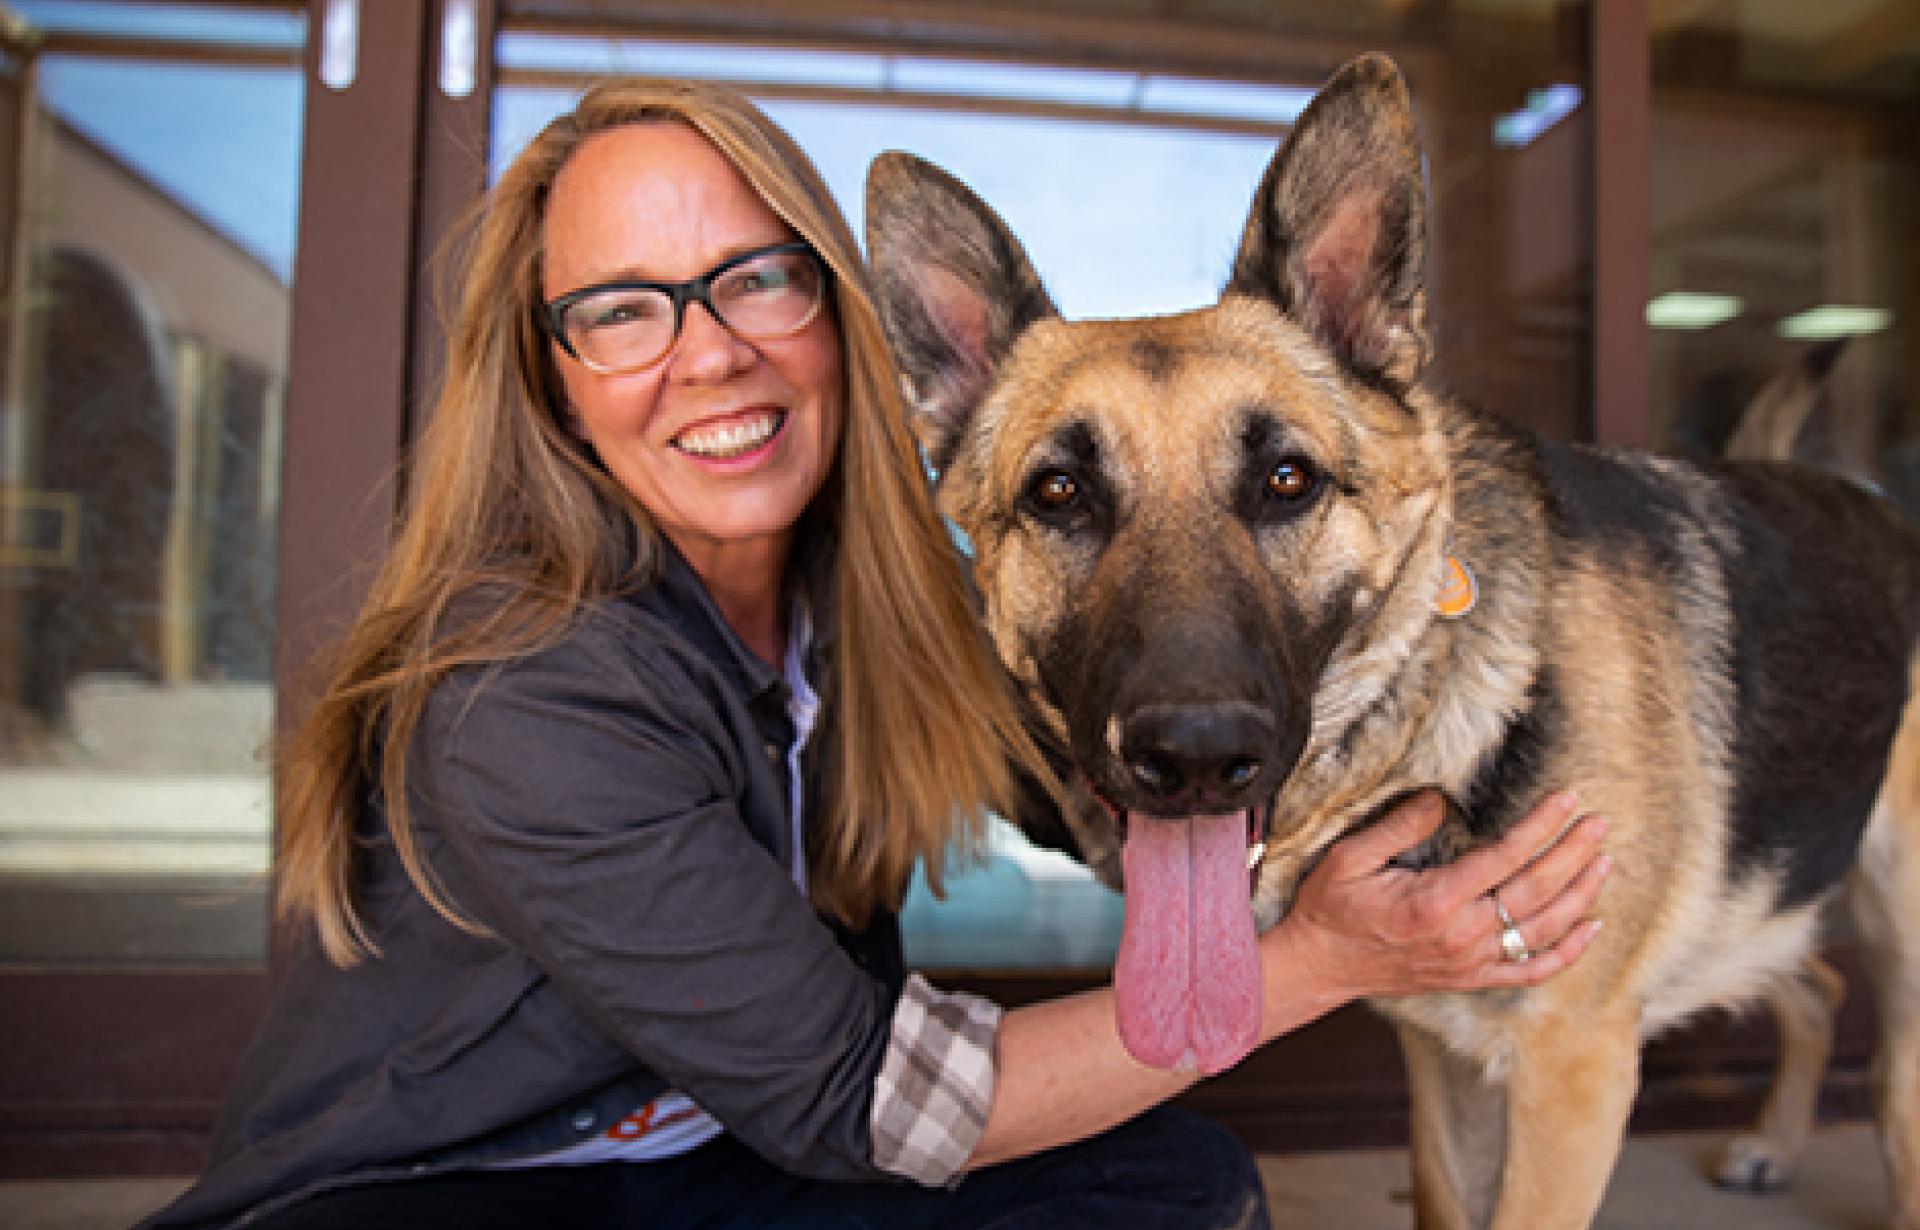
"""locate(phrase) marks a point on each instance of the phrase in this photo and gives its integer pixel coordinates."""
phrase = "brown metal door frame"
(389, 164)
(1621, 203)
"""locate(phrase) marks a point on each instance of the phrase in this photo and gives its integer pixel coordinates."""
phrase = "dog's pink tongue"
(1188, 975)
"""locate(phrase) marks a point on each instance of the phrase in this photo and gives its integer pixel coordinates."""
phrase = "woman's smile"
(733, 437)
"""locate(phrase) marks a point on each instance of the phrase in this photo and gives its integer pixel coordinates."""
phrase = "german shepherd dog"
(1259, 579)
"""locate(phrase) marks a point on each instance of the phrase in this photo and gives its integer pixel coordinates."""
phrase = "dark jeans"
(1167, 1170)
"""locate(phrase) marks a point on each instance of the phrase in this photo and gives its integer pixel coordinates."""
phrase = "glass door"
(215, 226)
(149, 180)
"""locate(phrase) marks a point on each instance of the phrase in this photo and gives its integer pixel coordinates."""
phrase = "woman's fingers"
(1528, 891)
(1546, 875)
(1395, 931)
(1554, 934)
(1492, 866)
(1544, 964)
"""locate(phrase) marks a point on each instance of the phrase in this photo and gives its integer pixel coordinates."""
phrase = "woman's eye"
(762, 281)
(1292, 478)
(610, 313)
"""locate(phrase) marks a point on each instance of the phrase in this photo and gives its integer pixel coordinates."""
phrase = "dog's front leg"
(1458, 1134)
(1569, 1092)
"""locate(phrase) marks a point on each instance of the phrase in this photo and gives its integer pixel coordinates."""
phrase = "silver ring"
(1513, 945)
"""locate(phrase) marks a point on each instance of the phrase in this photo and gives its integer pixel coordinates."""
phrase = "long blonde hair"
(920, 732)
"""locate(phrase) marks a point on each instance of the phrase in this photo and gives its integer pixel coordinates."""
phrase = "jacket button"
(583, 1120)
(775, 753)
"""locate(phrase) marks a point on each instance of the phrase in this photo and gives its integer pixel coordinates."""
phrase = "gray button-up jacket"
(615, 811)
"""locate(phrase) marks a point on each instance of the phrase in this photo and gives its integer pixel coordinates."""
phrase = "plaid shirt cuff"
(930, 1104)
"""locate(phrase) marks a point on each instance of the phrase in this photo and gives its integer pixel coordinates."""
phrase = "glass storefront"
(149, 165)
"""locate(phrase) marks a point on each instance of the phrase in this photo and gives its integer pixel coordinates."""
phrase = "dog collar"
(1458, 590)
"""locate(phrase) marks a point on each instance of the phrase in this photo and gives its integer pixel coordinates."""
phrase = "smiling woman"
(722, 415)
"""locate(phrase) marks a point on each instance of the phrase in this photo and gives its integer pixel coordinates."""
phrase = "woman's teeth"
(734, 438)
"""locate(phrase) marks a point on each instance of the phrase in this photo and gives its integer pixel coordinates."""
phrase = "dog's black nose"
(1195, 759)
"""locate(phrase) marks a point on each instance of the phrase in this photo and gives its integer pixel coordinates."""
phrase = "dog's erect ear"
(955, 290)
(1337, 237)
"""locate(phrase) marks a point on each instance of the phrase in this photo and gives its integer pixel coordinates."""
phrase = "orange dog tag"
(1458, 592)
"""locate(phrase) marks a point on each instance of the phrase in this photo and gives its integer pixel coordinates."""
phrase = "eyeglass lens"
(769, 295)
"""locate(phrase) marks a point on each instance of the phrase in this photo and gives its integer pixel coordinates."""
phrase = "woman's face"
(724, 439)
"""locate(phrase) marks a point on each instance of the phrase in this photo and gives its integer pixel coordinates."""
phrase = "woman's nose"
(706, 349)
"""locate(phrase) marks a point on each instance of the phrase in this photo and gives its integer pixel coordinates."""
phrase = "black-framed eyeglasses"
(625, 325)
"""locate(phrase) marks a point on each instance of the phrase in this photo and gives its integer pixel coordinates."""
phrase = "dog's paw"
(1753, 1164)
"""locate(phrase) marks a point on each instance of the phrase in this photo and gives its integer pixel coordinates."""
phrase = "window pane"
(150, 163)
(1785, 277)
(1128, 180)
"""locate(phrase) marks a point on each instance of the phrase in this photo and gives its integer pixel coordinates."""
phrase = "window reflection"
(1785, 280)
(153, 171)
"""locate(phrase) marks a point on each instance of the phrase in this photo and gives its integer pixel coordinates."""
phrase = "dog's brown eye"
(1055, 490)
(1292, 479)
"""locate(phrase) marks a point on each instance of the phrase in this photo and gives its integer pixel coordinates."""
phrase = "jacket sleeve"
(590, 799)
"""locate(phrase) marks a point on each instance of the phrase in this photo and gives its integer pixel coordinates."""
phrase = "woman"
(602, 819)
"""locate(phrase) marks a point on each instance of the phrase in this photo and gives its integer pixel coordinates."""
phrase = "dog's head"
(1180, 523)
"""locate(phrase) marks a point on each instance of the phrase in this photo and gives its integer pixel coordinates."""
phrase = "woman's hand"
(1367, 928)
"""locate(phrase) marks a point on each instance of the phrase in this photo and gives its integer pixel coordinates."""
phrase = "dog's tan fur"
(1245, 512)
